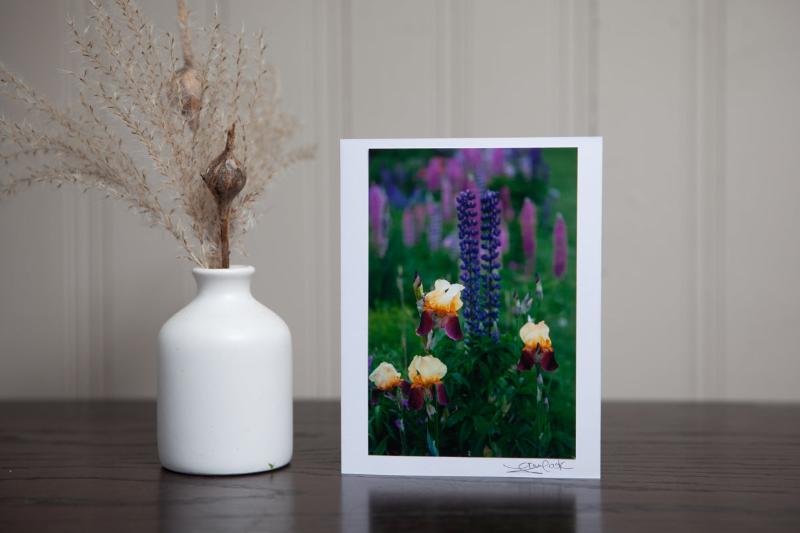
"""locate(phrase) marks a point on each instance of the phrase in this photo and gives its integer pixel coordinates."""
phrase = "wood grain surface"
(666, 467)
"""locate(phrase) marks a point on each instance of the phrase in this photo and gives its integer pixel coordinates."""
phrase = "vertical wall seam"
(592, 74)
(467, 75)
(698, 280)
(98, 215)
(709, 204)
(721, 213)
(326, 68)
(316, 28)
(347, 69)
(68, 216)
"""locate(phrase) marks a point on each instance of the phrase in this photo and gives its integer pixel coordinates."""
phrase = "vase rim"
(233, 270)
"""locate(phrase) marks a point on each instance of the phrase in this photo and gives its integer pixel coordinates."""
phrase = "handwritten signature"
(528, 467)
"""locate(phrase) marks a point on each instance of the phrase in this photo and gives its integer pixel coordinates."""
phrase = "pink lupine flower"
(434, 225)
(527, 225)
(497, 163)
(504, 245)
(455, 171)
(420, 216)
(560, 249)
(409, 228)
(433, 173)
(505, 201)
(473, 157)
(448, 200)
(378, 219)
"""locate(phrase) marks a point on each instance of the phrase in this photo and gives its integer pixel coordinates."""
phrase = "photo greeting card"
(470, 281)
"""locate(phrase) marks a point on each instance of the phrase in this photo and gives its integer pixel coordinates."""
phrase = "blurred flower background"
(471, 269)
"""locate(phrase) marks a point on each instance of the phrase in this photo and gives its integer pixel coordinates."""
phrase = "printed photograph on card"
(472, 302)
(468, 337)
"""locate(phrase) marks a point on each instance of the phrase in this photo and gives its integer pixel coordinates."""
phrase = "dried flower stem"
(225, 179)
(128, 87)
(186, 38)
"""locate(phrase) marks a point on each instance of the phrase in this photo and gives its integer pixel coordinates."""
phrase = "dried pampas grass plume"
(138, 97)
(187, 84)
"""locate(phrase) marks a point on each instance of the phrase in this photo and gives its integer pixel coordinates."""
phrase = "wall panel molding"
(695, 100)
(328, 74)
(709, 152)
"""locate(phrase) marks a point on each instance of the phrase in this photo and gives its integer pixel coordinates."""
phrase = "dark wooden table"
(666, 467)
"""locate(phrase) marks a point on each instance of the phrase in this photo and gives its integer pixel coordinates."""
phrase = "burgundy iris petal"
(548, 360)
(441, 394)
(453, 327)
(527, 359)
(425, 323)
(416, 398)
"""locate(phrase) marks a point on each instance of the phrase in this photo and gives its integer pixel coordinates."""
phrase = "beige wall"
(697, 101)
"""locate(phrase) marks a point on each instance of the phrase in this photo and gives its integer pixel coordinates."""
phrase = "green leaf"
(463, 434)
(380, 449)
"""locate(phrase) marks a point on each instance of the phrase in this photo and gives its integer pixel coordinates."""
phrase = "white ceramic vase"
(224, 381)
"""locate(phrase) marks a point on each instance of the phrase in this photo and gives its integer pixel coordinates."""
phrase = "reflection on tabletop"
(371, 503)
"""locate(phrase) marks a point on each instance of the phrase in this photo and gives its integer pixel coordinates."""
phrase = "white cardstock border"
(354, 300)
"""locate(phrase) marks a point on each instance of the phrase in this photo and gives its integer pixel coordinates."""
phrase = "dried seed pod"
(187, 87)
(225, 179)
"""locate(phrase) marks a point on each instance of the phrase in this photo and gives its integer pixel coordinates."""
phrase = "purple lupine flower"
(450, 244)
(455, 171)
(535, 159)
(525, 168)
(473, 186)
(433, 173)
(409, 228)
(378, 219)
(505, 200)
(482, 177)
(560, 249)
(394, 190)
(504, 241)
(447, 198)
(473, 157)
(490, 264)
(470, 260)
(434, 225)
(497, 163)
(527, 228)
(420, 215)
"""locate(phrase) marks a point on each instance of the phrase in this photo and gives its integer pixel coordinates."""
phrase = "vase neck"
(230, 282)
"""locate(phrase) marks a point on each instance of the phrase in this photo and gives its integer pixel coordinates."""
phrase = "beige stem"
(186, 39)
(224, 242)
